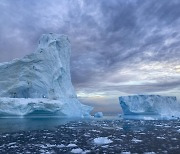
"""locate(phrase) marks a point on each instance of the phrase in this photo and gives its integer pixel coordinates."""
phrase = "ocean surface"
(61, 135)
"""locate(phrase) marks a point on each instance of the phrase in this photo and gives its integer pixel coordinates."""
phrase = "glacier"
(41, 82)
(167, 106)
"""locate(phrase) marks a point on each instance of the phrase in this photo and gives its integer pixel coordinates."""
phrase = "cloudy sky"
(119, 47)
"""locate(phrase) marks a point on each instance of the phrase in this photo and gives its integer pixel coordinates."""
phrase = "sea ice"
(78, 150)
(136, 140)
(71, 145)
(102, 140)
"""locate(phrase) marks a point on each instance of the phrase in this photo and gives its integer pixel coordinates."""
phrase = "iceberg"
(98, 115)
(41, 82)
(150, 105)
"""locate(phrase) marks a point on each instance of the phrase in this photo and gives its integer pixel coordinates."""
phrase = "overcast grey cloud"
(118, 47)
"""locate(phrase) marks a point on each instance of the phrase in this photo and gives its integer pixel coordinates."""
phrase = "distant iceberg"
(150, 105)
(98, 115)
(41, 82)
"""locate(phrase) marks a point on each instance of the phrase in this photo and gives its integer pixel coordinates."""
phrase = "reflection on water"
(147, 117)
(10, 124)
(15, 124)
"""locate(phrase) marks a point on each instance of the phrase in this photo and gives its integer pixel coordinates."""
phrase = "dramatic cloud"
(118, 47)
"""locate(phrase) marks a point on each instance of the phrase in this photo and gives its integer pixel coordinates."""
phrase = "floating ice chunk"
(98, 115)
(12, 143)
(102, 140)
(86, 151)
(78, 150)
(158, 125)
(160, 137)
(136, 140)
(119, 115)
(50, 145)
(105, 146)
(71, 145)
(61, 146)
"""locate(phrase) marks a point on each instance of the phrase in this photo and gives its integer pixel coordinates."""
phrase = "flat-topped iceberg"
(150, 105)
(41, 81)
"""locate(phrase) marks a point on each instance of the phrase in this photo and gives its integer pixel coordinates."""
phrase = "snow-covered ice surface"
(165, 106)
(117, 135)
(41, 81)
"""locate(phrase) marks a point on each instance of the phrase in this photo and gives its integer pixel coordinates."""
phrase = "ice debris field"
(97, 136)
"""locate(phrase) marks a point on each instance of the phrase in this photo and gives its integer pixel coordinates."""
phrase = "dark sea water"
(61, 135)
(15, 124)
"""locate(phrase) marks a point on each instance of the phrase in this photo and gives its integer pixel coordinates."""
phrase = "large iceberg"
(150, 105)
(41, 82)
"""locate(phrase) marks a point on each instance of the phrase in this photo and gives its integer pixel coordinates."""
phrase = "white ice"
(41, 81)
(98, 115)
(150, 105)
(102, 140)
(78, 150)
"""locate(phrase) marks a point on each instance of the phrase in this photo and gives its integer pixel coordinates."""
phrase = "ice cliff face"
(43, 75)
(150, 105)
